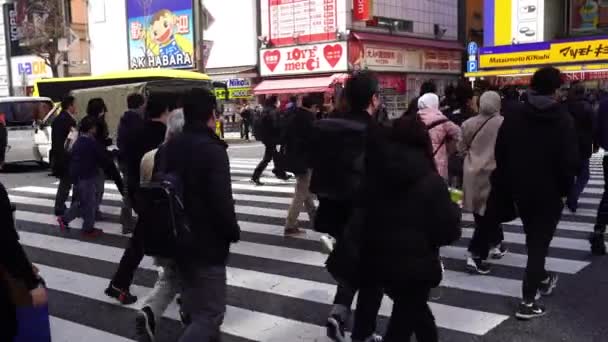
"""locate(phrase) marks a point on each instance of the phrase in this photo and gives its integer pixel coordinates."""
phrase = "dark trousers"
(540, 224)
(129, 262)
(126, 212)
(63, 192)
(269, 152)
(581, 182)
(602, 210)
(85, 205)
(488, 232)
(368, 304)
(245, 129)
(412, 315)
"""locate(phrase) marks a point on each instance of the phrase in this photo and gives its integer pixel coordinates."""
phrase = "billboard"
(302, 21)
(304, 59)
(363, 10)
(509, 22)
(160, 34)
(588, 16)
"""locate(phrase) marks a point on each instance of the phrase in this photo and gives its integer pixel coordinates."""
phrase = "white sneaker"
(373, 338)
(498, 251)
(327, 244)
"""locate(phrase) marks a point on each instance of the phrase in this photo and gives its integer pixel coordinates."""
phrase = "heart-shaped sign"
(272, 59)
(333, 54)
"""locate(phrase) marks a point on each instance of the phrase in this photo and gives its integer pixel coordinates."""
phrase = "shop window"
(398, 25)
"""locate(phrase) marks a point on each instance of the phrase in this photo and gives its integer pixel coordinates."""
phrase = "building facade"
(522, 35)
(310, 45)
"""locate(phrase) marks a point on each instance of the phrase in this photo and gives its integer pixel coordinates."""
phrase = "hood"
(430, 101)
(543, 106)
(489, 103)
(430, 115)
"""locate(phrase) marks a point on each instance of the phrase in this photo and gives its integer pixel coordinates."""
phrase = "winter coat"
(409, 215)
(199, 157)
(537, 155)
(149, 137)
(60, 128)
(478, 151)
(265, 127)
(582, 112)
(130, 123)
(601, 127)
(3, 142)
(298, 138)
(14, 263)
(443, 135)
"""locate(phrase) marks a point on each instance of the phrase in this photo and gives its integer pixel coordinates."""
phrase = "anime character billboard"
(160, 34)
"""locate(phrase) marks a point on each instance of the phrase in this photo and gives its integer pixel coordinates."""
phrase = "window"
(392, 24)
(24, 113)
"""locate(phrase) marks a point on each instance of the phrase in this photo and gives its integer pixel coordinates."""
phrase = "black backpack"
(337, 158)
(162, 220)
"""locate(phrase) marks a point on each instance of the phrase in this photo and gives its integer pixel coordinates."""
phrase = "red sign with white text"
(363, 10)
(302, 21)
(304, 59)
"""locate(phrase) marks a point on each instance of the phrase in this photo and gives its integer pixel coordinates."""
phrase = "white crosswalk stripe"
(278, 288)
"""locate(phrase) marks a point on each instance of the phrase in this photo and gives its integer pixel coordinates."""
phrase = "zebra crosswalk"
(278, 289)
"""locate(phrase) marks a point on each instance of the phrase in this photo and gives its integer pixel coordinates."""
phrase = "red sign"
(303, 59)
(363, 10)
(302, 21)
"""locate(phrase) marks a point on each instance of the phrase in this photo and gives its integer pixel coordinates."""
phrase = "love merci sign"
(304, 59)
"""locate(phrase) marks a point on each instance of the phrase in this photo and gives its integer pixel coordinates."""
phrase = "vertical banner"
(160, 34)
(363, 10)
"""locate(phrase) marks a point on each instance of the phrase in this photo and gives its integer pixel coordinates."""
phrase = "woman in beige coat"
(477, 145)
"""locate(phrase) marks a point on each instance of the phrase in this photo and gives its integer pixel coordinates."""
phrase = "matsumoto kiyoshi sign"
(304, 59)
(557, 52)
(161, 34)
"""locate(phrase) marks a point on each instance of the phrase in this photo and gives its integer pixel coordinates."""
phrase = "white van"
(25, 140)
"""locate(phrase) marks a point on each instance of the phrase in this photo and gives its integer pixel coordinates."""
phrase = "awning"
(298, 85)
(408, 41)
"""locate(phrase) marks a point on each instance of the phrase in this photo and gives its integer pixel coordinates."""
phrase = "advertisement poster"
(304, 59)
(528, 21)
(161, 34)
(302, 21)
(588, 16)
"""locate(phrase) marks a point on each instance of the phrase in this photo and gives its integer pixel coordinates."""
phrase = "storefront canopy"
(408, 41)
(298, 85)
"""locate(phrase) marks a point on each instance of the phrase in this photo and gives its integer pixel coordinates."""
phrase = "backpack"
(337, 158)
(162, 221)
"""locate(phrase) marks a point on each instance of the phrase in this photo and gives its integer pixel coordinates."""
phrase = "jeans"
(412, 315)
(166, 288)
(368, 304)
(602, 210)
(301, 197)
(85, 204)
(540, 224)
(63, 192)
(100, 186)
(269, 152)
(126, 212)
(488, 232)
(129, 262)
(204, 300)
(581, 182)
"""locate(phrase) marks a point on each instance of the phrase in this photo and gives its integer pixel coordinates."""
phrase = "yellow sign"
(557, 53)
(234, 93)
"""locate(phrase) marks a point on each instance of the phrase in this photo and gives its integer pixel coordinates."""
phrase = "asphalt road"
(577, 310)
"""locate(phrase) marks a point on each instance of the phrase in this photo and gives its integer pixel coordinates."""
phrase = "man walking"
(298, 150)
(201, 160)
(60, 128)
(537, 158)
(267, 130)
(130, 123)
(149, 138)
(598, 245)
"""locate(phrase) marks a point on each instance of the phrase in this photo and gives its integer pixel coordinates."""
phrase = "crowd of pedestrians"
(385, 191)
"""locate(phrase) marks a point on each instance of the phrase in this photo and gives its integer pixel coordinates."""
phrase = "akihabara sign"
(304, 59)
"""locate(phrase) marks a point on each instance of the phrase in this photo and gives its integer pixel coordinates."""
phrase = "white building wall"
(108, 36)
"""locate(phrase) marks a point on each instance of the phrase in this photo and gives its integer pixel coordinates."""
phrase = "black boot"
(598, 246)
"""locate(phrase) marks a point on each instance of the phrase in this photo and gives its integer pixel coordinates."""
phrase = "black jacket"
(298, 141)
(3, 142)
(60, 128)
(409, 215)
(130, 123)
(582, 113)
(148, 138)
(13, 261)
(537, 154)
(266, 129)
(199, 157)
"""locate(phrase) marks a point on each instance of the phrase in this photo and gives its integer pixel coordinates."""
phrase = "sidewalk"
(235, 138)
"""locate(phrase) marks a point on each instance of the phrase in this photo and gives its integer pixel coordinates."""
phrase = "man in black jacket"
(130, 123)
(267, 130)
(537, 158)
(149, 137)
(297, 147)
(60, 128)
(199, 157)
(581, 111)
